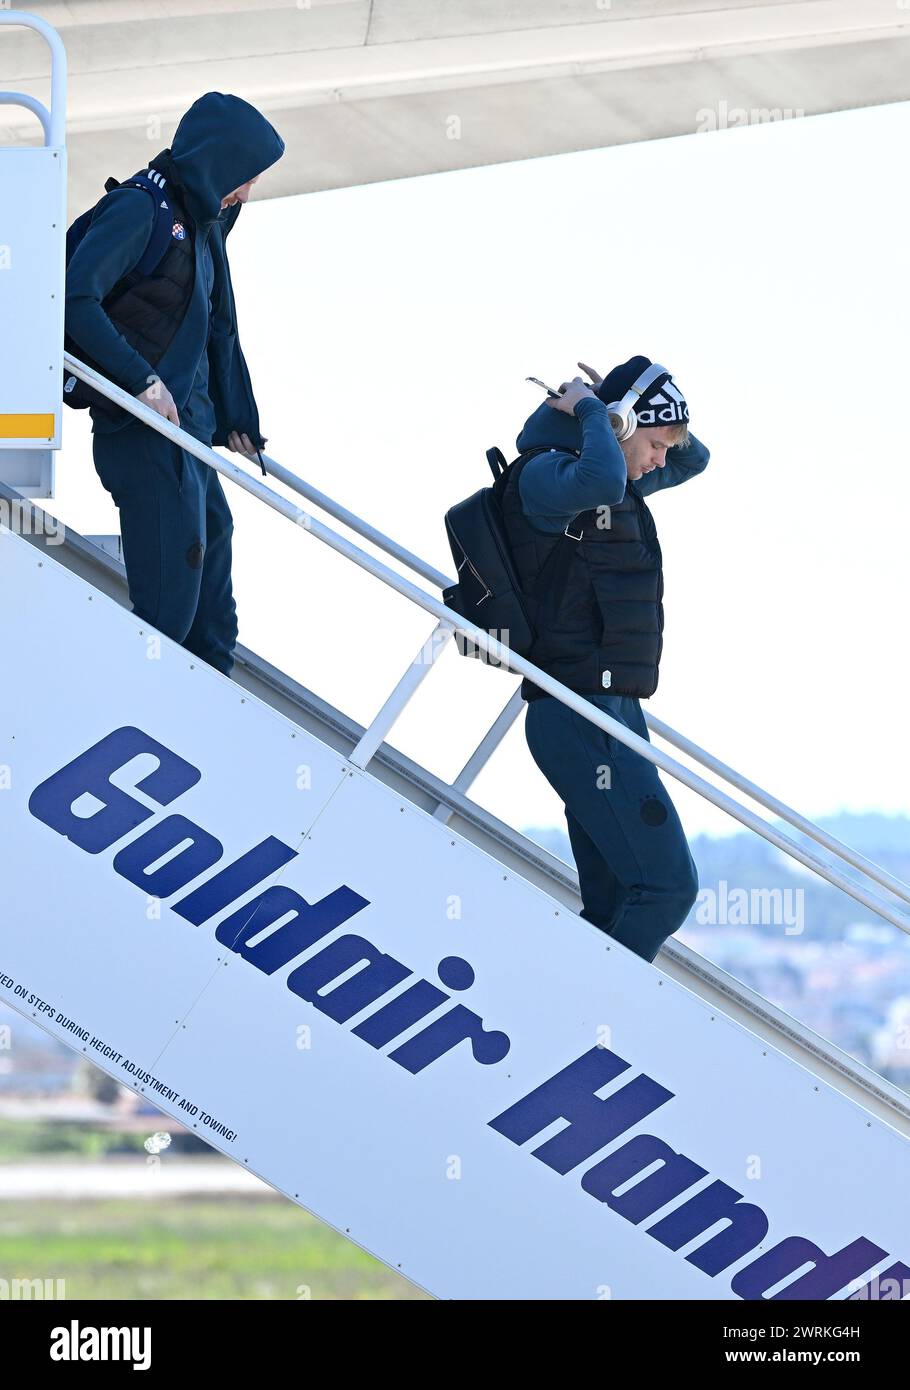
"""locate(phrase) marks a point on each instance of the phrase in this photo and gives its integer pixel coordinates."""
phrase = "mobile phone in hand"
(544, 387)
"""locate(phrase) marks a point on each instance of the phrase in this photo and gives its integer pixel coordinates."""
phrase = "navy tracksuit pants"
(637, 876)
(176, 529)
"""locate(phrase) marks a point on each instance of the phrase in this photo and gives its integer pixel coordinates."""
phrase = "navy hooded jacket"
(221, 143)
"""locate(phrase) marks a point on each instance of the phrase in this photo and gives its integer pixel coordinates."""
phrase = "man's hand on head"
(570, 393)
(242, 444)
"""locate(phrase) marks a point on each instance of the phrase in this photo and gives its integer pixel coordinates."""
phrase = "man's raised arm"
(684, 461)
(557, 485)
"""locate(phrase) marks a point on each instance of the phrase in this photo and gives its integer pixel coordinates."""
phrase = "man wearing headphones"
(586, 550)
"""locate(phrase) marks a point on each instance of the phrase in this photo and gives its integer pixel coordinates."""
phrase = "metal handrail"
(497, 652)
(53, 121)
(512, 710)
(31, 104)
(357, 524)
(771, 803)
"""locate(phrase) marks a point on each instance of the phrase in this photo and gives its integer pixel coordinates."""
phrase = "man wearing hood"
(586, 550)
(171, 339)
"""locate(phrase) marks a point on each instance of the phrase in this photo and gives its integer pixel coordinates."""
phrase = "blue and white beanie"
(664, 405)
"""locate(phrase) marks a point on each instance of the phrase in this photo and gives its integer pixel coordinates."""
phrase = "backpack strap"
(154, 184)
(543, 449)
(497, 461)
(501, 470)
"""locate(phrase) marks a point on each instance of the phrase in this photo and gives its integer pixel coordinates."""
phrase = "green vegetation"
(193, 1248)
(21, 1140)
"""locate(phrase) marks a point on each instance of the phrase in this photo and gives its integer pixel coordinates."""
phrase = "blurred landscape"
(101, 1196)
(804, 945)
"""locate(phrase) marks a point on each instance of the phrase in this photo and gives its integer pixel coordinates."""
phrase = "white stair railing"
(448, 621)
(494, 736)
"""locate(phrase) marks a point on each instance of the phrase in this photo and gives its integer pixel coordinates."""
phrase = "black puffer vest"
(593, 594)
(149, 311)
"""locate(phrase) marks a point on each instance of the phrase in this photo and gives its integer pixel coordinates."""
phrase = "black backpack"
(77, 393)
(488, 591)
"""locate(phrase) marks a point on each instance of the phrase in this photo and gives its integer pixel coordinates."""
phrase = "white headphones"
(622, 413)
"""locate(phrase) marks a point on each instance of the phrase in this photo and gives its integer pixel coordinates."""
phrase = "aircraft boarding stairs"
(353, 980)
(276, 964)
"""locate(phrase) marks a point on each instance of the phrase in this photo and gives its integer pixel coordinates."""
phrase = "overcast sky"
(389, 329)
